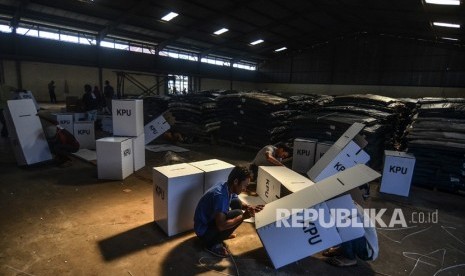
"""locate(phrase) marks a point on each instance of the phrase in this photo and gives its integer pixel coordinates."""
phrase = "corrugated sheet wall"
(380, 60)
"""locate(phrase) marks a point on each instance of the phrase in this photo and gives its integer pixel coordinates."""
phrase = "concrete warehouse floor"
(64, 221)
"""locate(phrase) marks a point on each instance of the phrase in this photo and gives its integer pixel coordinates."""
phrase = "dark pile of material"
(256, 119)
(253, 119)
(437, 139)
(195, 115)
(385, 119)
(154, 106)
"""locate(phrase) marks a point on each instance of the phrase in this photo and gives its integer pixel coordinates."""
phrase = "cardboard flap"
(360, 141)
(340, 144)
(349, 134)
(304, 198)
(317, 193)
(346, 180)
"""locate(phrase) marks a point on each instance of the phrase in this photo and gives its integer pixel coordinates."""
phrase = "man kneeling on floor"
(220, 211)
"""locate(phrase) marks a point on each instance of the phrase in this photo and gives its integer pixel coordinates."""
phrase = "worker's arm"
(273, 160)
(256, 208)
(222, 223)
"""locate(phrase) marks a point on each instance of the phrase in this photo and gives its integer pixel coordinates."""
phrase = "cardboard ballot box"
(176, 191)
(128, 117)
(80, 116)
(66, 121)
(275, 182)
(397, 172)
(24, 95)
(114, 158)
(155, 128)
(27, 137)
(321, 149)
(215, 171)
(138, 147)
(345, 153)
(303, 156)
(84, 132)
(285, 245)
(107, 123)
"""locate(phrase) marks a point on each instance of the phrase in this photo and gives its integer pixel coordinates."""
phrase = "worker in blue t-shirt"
(220, 211)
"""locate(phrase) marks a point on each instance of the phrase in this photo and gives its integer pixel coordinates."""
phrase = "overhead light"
(449, 25)
(444, 2)
(449, 38)
(256, 42)
(220, 31)
(280, 49)
(169, 16)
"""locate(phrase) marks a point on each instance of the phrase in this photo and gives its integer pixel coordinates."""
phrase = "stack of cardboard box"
(127, 148)
(77, 124)
(178, 188)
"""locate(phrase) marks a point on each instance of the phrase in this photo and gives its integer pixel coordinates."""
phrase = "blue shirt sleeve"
(220, 204)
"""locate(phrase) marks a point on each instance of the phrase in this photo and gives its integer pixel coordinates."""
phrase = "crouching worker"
(269, 156)
(220, 211)
(61, 142)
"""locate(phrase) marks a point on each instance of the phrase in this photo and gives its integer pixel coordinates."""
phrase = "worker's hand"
(249, 212)
(258, 208)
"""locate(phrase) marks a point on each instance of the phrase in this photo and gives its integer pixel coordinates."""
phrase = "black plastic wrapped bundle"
(195, 115)
(385, 120)
(437, 139)
(253, 119)
(154, 106)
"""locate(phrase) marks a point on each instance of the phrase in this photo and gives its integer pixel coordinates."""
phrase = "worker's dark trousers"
(214, 236)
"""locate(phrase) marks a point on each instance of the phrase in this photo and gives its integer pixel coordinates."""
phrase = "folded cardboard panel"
(155, 128)
(289, 244)
(27, 136)
(351, 135)
(348, 157)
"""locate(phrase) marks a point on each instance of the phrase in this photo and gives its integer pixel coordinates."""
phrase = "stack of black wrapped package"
(437, 139)
(385, 119)
(155, 106)
(256, 119)
(195, 115)
(253, 119)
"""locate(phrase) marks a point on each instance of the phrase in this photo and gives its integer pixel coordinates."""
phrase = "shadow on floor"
(131, 241)
(189, 258)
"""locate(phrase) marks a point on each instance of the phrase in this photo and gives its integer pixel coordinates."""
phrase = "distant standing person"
(109, 94)
(100, 98)
(51, 92)
(91, 103)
